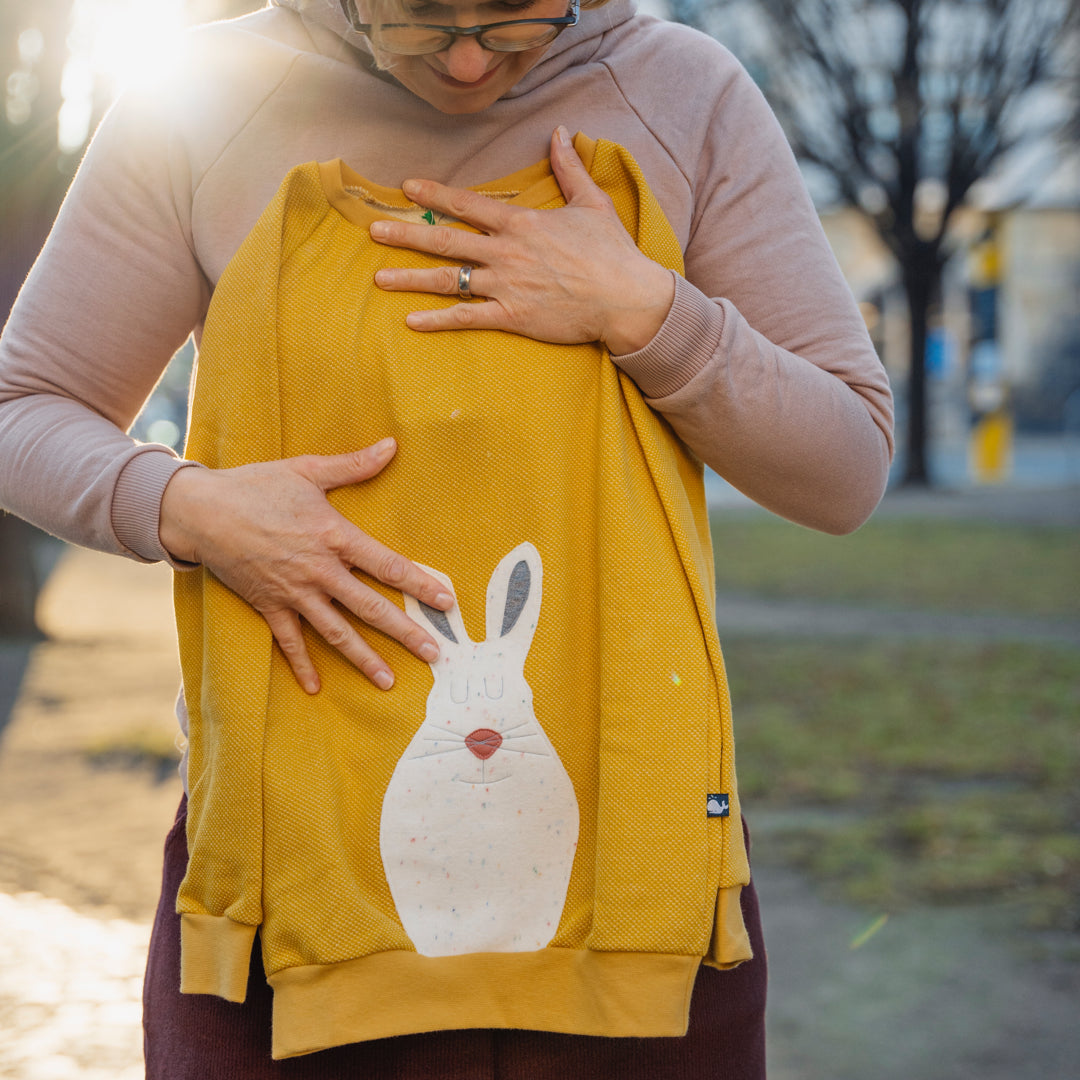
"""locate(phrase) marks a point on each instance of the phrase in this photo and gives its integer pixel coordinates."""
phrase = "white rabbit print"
(480, 820)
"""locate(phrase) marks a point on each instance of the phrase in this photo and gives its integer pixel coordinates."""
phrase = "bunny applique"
(480, 821)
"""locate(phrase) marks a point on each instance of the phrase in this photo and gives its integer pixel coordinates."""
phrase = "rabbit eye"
(459, 691)
(493, 687)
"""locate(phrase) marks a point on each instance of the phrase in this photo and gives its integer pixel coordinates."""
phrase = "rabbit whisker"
(514, 727)
(444, 733)
(438, 753)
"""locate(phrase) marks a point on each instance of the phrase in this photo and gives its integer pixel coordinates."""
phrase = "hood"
(594, 22)
(326, 13)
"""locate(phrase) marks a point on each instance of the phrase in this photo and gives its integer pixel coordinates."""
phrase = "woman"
(743, 347)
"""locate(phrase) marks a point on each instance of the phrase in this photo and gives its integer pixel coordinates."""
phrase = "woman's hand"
(267, 531)
(567, 276)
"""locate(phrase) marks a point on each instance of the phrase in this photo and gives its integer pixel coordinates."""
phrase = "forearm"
(809, 441)
(114, 293)
(74, 474)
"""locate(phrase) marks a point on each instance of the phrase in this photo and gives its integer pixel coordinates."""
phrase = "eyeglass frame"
(455, 32)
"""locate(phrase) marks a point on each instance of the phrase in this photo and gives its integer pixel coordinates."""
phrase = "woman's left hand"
(567, 276)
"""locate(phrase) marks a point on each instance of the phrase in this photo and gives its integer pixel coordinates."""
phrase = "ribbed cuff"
(215, 955)
(136, 504)
(684, 344)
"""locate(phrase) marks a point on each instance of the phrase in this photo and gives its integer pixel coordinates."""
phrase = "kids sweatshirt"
(541, 829)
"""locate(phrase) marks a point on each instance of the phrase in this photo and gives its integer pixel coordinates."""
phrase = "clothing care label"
(716, 806)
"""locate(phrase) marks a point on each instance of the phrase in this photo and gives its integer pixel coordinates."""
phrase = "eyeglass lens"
(414, 40)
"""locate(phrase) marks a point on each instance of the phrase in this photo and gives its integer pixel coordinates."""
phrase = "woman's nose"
(466, 60)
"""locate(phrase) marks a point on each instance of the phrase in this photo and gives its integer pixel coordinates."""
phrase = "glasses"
(416, 39)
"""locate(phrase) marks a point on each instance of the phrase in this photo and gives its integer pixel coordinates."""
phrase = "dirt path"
(100, 690)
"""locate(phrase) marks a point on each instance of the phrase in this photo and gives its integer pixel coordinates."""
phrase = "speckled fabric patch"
(480, 820)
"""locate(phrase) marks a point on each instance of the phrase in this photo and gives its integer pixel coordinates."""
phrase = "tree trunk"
(922, 285)
(19, 583)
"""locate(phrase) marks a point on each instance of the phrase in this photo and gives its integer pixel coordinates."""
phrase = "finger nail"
(384, 446)
(429, 652)
(562, 135)
(411, 187)
(384, 277)
(444, 600)
(383, 679)
(380, 229)
(312, 686)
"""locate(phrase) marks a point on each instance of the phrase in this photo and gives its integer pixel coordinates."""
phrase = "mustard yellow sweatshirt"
(541, 829)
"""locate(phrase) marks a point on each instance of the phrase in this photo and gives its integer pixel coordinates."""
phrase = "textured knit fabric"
(198, 1037)
(547, 837)
(764, 367)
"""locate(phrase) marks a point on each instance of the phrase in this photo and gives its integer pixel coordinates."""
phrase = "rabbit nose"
(483, 742)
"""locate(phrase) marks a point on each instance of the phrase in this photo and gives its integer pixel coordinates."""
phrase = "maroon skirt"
(189, 1036)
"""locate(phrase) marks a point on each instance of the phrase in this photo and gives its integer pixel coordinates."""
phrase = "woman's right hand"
(269, 533)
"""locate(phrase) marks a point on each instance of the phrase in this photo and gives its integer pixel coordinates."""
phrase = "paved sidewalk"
(70, 993)
(737, 615)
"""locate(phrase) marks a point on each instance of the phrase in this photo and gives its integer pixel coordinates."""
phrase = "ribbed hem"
(397, 993)
(136, 504)
(215, 955)
(684, 344)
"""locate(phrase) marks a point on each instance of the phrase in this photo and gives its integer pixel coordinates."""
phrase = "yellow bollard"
(991, 447)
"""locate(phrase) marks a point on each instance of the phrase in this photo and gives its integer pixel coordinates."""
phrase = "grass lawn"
(966, 566)
(903, 772)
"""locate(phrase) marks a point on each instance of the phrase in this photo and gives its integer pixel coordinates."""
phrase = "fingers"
(578, 187)
(335, 629)
(339, 470)
(326, 619)
(392, 569)
(473, 316)
(473, 207)
(442, 281)
(357, 548)
(285, 626)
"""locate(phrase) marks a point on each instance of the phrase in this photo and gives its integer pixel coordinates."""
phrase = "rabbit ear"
(447, 625)
(514, 595)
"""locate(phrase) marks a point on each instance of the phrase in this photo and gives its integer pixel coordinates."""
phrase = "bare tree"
(33, 177)
(902, 106)
(34, 174)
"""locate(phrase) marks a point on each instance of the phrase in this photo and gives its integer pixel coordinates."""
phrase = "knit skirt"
(198, 1036)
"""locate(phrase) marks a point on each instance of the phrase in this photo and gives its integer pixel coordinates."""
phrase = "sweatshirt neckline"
(362, 201)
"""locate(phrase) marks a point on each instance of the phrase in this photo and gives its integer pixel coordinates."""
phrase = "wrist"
(636, 317)
(179, 514)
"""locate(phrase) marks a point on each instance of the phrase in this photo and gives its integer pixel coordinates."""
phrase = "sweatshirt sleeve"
(764, 366)
(116, 290)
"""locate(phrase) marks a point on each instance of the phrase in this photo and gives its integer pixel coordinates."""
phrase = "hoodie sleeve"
(115, 292)
(763, 366)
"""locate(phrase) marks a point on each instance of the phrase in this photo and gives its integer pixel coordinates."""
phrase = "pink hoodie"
(763, 366)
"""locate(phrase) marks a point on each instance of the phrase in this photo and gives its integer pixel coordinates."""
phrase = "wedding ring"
(464, 276)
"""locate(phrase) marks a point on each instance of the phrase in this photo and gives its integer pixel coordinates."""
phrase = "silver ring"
(464, 276)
